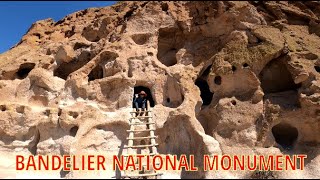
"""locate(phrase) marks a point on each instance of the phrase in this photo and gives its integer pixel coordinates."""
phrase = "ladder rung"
(141, 123)
(140, 117)
(145, 130)
(139, 111)
(142, 175)
(149, 137)
(141, 146)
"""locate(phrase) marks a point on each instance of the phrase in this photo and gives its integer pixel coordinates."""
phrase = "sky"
(16, 17)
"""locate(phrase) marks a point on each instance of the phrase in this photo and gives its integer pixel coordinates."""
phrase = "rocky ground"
(233, 77)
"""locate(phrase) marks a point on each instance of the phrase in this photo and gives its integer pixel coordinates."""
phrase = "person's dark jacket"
(140, 102)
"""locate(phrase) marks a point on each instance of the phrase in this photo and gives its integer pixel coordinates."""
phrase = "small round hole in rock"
(74, 130)
(234, 68)
(245, 65)
(47, 112)
(317, 68)
(59, 112)
(168, 100)
(3, 108)
(217, 80)
(234, 102)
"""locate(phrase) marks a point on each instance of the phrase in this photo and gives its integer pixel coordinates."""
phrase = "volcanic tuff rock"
(226, 78)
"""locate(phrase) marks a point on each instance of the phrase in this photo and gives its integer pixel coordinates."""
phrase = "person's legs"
(143, 107)
(137, 108)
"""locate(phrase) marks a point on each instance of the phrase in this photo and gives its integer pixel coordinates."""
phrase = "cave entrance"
(138, 89)
(278, 84)
(275, 77)
(96, 73)
(201, 82)
(205, 93)
(285, 135)
(24, 70)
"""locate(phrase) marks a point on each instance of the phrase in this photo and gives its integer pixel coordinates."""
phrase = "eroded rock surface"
(225, 78)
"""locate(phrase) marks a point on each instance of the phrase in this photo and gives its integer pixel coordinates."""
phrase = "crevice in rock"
(96, 73)
(60, 22)
(24, 70)
(34, 143)
(201, 82)
(285, 135)
(129, 13)
(164, 7)
(73, 131)
(245, 65)
(170, 40)
(234, 68)
(59, 112)
(317, 68)
(63, 173)
(138, 89)
(70, 33)
(205, 93)
(79, 45)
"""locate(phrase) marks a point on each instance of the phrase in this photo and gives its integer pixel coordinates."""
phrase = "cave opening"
(74, 130)
(96, 73)
(170, 40)
(275, 77)
(24, 70)
(285, 135)
(317, 68)
(205, 93)
(138, 89)
(278, 85)
(66, 68)
(217, 80)
(201, 82)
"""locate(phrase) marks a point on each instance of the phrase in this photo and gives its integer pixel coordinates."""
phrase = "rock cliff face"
(225, 77)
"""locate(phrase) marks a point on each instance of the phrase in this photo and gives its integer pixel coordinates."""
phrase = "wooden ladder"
(144, 120)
